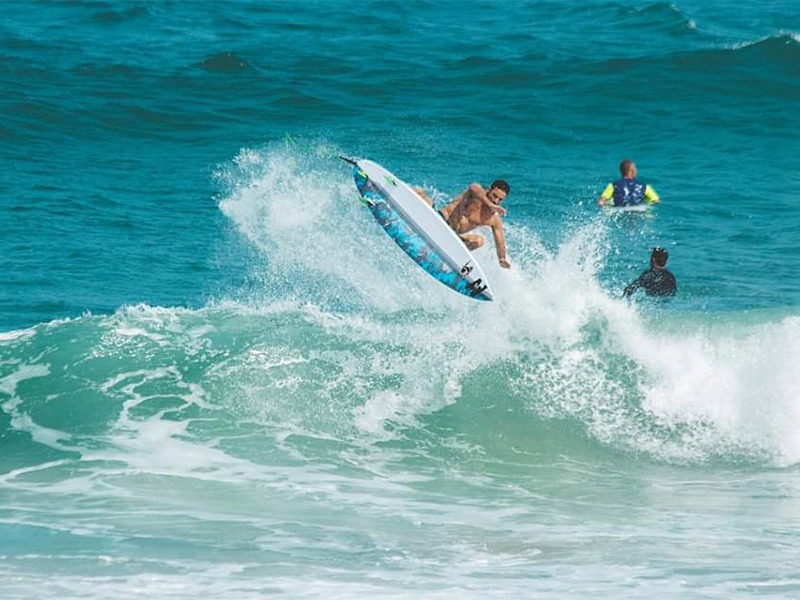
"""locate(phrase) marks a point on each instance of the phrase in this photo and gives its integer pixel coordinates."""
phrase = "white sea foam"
(9, 383)
(720, 388)
(745, 384)
(20, 334)
(701, 391)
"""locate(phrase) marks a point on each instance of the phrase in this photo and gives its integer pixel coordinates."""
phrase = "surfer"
(657, 280)
(476, 207)
(627, 191)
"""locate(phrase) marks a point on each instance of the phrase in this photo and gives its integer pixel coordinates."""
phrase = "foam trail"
(633, 379)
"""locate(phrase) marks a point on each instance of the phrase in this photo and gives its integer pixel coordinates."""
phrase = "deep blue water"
(218, 375)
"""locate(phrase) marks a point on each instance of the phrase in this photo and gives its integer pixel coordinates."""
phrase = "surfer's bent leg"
(421, 193)
(473, 242)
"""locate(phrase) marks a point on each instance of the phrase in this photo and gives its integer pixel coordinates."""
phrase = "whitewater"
(218, 376)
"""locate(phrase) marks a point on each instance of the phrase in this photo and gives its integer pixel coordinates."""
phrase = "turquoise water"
(219, 377)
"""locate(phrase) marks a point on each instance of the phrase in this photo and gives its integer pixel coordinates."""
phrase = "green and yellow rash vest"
(612, 194)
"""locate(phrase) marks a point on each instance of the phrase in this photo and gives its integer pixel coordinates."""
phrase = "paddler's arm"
(633, 286)
(604, 198)
(650, 195)
(500, 242)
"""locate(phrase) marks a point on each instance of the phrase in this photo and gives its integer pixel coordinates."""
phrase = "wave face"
(232, 445)
(218, 376)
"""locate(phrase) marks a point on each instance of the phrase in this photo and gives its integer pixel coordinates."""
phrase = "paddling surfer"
(628, 191)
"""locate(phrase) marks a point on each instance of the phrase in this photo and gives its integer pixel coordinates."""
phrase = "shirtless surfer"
(476, 207)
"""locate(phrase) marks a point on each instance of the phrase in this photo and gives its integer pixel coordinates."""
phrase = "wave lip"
(659, 17)
(779, 51)
(767, 69)
(782, 48)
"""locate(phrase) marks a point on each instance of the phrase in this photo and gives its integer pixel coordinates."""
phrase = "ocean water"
(219, 378)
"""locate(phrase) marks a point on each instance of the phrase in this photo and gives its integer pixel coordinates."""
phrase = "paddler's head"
(627, 169)
(659, 256)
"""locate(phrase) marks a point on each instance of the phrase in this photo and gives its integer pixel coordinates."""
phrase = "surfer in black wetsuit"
(657, 280)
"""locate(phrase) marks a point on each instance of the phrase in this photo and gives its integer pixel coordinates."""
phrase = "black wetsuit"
(656, 282)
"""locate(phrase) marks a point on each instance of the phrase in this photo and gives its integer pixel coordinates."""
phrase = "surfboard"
(634, 208)
(419, 230)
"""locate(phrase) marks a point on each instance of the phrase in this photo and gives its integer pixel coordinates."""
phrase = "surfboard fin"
(477, 287)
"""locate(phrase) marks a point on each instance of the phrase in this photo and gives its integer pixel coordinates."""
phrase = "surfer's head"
(659, 256)
(498, 191)
(627, 169)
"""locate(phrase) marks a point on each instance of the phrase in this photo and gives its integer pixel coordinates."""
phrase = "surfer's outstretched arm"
(500, 242)
(632, 287)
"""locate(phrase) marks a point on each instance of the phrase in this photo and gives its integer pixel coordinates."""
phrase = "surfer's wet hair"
(501, 184)
(659, 256)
